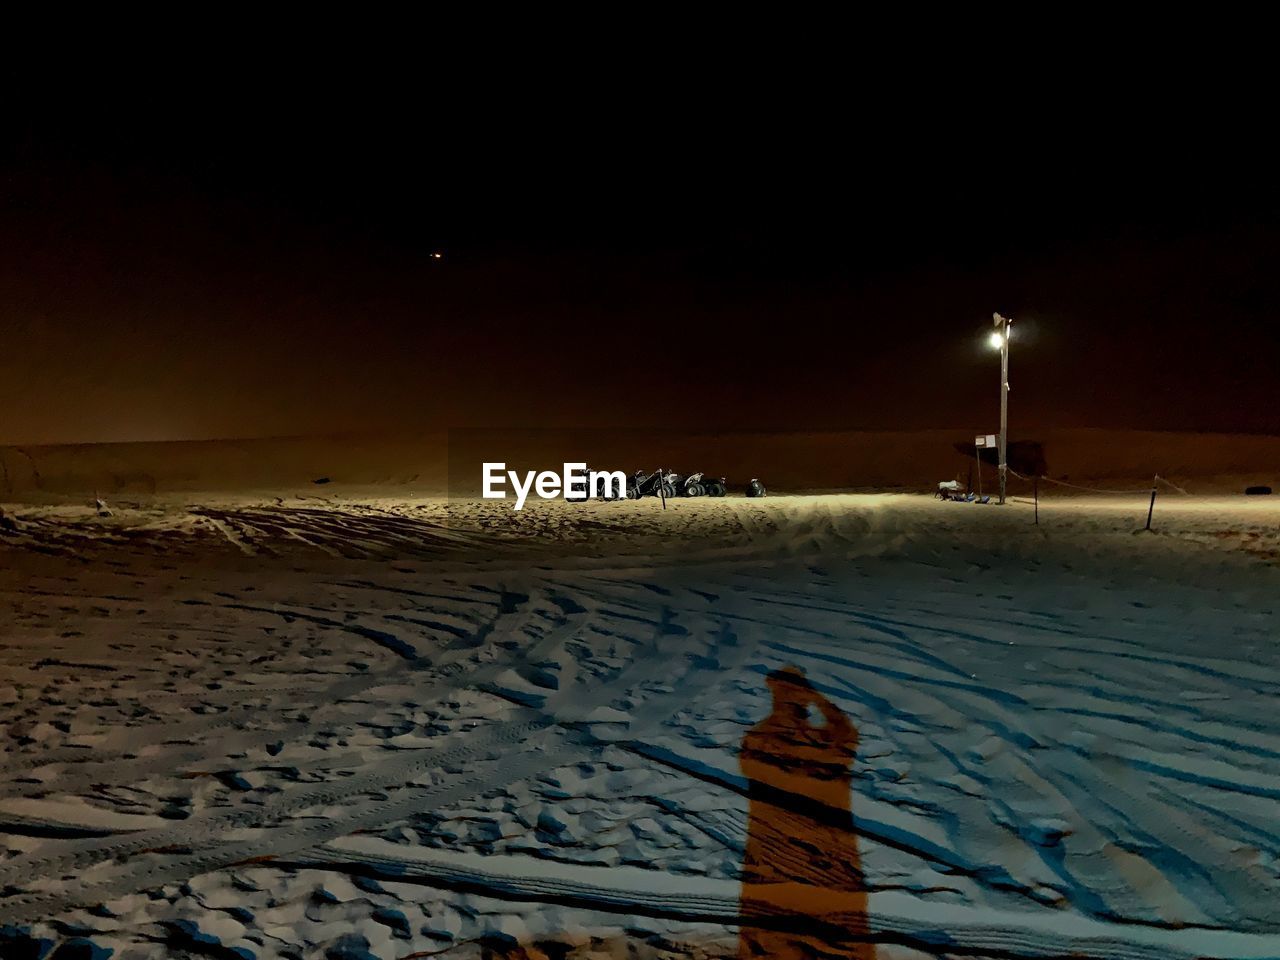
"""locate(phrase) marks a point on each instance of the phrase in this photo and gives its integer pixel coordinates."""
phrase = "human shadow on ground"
(803, 893)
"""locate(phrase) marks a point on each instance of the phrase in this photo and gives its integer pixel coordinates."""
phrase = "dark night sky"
(186, 253)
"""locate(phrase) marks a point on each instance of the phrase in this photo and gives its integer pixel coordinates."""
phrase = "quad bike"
(608, 489)
(585, 495)
(951, 490)
(651, 485)
(700, 485)
(713, 486)
(580, 497)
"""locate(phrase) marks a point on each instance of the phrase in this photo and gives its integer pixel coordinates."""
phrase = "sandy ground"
(361, 725)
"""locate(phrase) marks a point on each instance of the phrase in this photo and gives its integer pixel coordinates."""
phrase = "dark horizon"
(204, 263)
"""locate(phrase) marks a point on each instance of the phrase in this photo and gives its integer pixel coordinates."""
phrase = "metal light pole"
(1000, 338)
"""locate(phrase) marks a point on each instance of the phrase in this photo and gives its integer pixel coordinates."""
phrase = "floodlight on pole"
(1000, 341)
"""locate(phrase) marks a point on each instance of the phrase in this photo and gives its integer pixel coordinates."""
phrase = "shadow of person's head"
(803, 711)
(793, 694)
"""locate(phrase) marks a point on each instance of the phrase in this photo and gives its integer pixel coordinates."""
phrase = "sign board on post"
(985, 441)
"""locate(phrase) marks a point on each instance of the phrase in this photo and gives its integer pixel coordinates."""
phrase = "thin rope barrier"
(1170, 483)
(1076, 486)
(1103, 490)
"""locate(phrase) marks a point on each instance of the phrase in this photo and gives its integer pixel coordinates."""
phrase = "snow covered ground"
(378, 727)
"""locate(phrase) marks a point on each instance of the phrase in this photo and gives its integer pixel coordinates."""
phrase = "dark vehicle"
(715, 486)
(653, 484)
(578, 498)
(692, 486)
(701, 485)
(755, 488)
(669, 484)
(606, 491)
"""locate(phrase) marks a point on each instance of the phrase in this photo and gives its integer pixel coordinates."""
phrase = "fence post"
(1152, 507)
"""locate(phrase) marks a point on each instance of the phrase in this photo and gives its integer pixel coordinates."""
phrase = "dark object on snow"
(1257, 491)
(755, 488)
(7, 523)
(319, 480)
(101, 506)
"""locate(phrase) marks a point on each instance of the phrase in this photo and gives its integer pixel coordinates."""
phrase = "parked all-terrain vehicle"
(656, 484)
(702, 485)
(692, 486)
(606, 491)
(951, 490)
(609, 492)
(582, 497)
